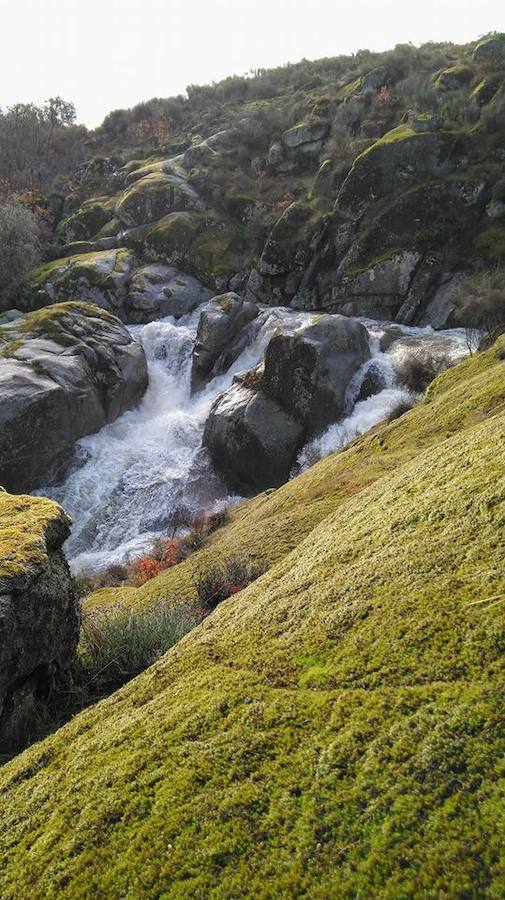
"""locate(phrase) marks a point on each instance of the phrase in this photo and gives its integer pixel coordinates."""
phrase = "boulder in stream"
(65, 371)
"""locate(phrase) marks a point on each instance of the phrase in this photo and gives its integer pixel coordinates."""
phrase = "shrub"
(222, 580)
(481, 300)
(400, 408)
(417, 372)
(19, 249)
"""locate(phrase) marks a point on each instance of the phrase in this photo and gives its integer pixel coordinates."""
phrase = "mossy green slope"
(333, 731)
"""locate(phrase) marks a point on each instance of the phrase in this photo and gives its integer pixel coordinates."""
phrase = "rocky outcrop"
(491, 50)
(156, 291)
(256, 428)
(155, 196)
(39, 621)
(64, 372)
(99, 277)
(399, 159)
(218, 342)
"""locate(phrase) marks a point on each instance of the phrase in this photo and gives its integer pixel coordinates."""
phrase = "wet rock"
(64, 372)
(251, 440)
(374, 381)
(218, 341)
(39, 621)
(307, 374)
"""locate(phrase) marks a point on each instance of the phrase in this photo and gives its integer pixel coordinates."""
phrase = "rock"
(453, 78)
(495, 209)
(157, 291)
(198, 155)
(65, 372)
(100, 277)
(284, 241)
(306, 133)
(377, 291)
(393, 163)
(39, 620)
(373, 80)
(441, 310)
(275, 155)
(155, 196)
(307, 374)
(216, 346)
(87, 221)
(490, 50)
(374, 381)
(251, 440)
(371, 129)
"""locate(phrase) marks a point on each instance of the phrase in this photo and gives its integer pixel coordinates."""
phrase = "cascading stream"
(132, 476)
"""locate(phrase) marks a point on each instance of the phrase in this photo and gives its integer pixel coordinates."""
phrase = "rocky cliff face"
(64, 372)
(363, 188)
(39, 621)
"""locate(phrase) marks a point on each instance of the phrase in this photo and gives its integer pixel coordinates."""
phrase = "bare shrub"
(400, 408)
(418, 371)
(222, 580)
(481, 301)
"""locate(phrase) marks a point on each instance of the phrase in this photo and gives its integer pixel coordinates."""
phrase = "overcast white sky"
(106, 54)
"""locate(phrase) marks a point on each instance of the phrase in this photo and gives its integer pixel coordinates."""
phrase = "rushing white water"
(131, 477)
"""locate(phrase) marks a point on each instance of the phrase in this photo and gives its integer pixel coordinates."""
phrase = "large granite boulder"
(395, 162)
(39, 620)
(255, 429)
(65, 372)
(309, 133)
(87, 221)
(307, 373)
(490, 50)
(216, 347)
(251, 440)
(155, 196)
(98, 277)
(157, 291)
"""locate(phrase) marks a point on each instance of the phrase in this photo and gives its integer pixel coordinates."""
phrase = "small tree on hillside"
(19, 249)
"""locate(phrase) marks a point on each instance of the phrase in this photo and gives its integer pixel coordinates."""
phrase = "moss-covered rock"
(490, 50)
(155, 196)
(39, 623)
(453, 78)
(65, 371)
(394, 163)
(87, 221)
(99, 277)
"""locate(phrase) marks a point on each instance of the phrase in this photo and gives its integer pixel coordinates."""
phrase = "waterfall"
(129, 478)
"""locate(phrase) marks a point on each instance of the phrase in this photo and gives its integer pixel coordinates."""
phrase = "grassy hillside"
(334, 730)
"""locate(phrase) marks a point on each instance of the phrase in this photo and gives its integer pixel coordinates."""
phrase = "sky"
(109, 54)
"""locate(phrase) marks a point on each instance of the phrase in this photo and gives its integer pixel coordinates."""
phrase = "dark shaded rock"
(374, 381)
(251, 440)
(39, 620)
(216, 345)
(64, 372)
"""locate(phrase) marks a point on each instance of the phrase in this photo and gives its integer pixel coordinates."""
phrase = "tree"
(19, 249)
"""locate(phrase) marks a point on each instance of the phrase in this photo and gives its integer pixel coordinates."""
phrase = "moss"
(334, 730)
(25, 522)
(491, 243)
